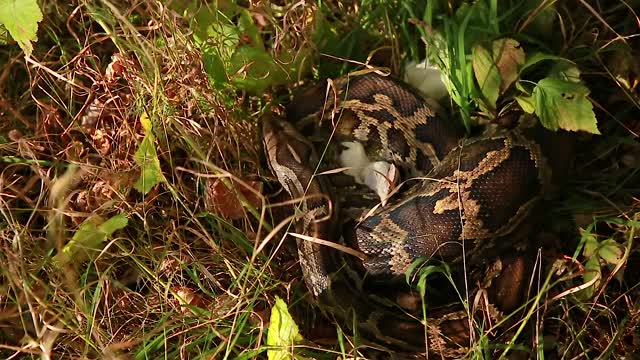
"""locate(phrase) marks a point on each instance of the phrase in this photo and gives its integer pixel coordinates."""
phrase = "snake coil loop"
(478, 192)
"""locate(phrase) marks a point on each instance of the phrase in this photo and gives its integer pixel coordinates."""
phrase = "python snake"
(467, 212)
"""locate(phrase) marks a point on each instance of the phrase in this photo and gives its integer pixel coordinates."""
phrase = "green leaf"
(611, 251)
(524, 87)
(495, 71)
(249, 28)
(509, 57)
(591, 271)
(224, 37)
(526, 103)
(590, 244)
(212, 25)
(113, 224)
(21, 18)
(538, 57)
(255, 69)
(213, 64)
(564, 104)
(591, 266)
(283, 332)
(89, 237)
(147, 158)
(487, 75)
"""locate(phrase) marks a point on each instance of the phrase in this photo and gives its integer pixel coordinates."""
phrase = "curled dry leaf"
(15, 135)
(188, 297)
(120, 66)
(92, 114)
(224, 202)
(74, 151)
(101, 142)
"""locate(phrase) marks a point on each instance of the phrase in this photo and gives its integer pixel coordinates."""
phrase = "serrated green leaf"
(89, 238)
(21, 18)
(564, 104)
(611, 251)
(487, 75)
(526, 103)
(283, 332)
(147, 158)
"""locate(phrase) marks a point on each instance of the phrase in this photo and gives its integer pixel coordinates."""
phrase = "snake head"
(293, 160)
(291, 156)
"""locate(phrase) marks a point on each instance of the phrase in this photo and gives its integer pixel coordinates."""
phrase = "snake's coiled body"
(477, 194)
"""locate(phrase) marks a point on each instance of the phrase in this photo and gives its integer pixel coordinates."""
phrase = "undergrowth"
(138, 212)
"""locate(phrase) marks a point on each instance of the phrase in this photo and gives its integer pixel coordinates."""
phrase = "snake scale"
(466, 204)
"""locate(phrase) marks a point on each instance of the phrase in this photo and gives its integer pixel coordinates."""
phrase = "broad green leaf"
(591, 271)
(226, 38)
(487, 75)
(592, 265)
(538, 57)
(564, 104)
(113, 224)
(526, 103)
(611, 251)
(247, 27)
(213, 64)
(590, 244)
(21, 18)
(147, 158)
(509, 57)
(255, 69)
(89, 238)
(283, 332)
(211, 23)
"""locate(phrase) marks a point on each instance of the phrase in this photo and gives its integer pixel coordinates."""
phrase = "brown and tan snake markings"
(474, 195)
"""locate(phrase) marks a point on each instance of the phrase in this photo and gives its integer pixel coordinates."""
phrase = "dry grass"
(183, 278)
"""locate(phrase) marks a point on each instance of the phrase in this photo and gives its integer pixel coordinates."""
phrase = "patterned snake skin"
(476, 195)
